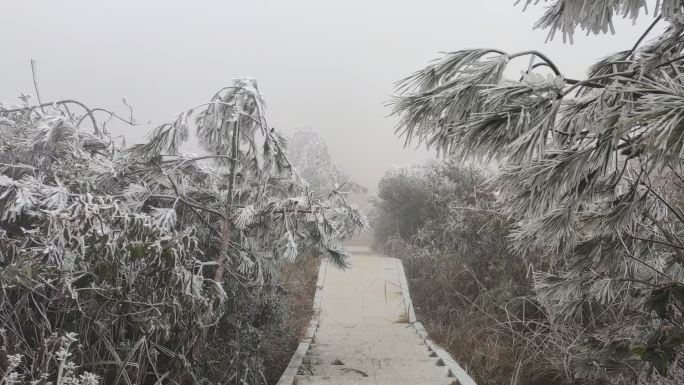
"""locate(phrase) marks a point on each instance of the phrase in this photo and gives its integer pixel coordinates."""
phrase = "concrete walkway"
(364, 335)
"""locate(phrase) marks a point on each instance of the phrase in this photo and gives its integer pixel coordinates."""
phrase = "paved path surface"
(363, 335)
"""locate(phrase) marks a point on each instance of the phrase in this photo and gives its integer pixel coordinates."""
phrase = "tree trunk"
(227, 224)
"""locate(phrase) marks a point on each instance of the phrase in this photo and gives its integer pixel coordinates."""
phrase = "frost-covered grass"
(298, 282)
(472, 295)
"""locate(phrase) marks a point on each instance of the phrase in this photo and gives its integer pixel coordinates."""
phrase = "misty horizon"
(331, 66)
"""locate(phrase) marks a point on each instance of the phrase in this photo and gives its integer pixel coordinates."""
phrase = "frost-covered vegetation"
(469, 291)
(147, 264)
(591, 175)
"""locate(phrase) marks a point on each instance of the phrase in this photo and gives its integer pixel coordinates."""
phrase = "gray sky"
(327, 64)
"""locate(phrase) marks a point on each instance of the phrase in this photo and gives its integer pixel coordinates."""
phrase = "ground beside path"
(364, 335)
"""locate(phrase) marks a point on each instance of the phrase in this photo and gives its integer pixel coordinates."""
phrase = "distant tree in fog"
(309, 155)
(412, 198)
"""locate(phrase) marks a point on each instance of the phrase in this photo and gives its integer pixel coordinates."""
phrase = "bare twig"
(35, 83)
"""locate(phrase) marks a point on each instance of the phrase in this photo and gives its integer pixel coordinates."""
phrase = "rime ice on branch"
(591, 169)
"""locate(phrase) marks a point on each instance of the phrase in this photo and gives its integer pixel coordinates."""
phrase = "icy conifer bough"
(162, 262)
(592, 172)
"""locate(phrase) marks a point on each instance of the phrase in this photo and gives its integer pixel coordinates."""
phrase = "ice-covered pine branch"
(590, 169)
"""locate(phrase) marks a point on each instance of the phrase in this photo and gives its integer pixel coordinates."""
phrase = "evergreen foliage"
(591, 171)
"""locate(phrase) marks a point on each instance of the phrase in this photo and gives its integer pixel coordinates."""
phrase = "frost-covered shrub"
(156, 265)
(439, 218)
(438, 205)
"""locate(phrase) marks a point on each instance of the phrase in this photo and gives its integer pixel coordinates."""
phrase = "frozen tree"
(591, 170)
(148, 264)
(309, 154)
(425, 204)
(265, 205)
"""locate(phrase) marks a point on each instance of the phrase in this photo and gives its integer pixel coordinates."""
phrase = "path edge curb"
(292, 369)
(455, 370)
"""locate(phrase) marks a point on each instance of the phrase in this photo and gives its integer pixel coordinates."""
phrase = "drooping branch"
(128, 121)
(30, 109)
(540, 55)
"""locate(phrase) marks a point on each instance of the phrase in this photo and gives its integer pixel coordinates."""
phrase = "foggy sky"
(327, 64)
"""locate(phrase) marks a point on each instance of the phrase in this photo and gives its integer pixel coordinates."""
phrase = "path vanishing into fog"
(364, 335)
